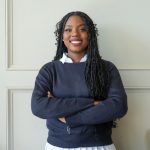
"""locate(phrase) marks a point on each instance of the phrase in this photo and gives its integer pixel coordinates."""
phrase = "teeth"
(75, 42)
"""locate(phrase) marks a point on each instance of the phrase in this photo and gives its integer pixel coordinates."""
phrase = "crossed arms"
(79, 111)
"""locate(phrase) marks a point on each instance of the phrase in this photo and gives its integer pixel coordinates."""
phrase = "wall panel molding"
(10, 65)
(137, 88)
(10, 115)
(134, 126)
(9, 33)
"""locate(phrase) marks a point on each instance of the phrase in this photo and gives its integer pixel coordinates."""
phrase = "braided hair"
(96, 74)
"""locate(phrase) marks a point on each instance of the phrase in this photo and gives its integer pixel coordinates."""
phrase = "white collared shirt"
(66, 59)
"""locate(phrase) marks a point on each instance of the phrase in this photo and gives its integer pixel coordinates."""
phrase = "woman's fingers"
(49, 94)
(97, 102)
(62, 119)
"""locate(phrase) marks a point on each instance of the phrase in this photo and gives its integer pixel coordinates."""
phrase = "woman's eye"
(67, 30)
(83, 29)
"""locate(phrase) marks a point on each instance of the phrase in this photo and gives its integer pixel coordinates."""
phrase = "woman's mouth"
(75, 42)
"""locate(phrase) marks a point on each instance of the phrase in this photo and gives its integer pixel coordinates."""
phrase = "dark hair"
(96, 74)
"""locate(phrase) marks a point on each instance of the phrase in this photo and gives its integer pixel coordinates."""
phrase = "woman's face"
(75, 35)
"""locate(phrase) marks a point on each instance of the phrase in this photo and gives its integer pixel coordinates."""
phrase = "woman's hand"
(96, 102)
(49, 94)
(62, 119)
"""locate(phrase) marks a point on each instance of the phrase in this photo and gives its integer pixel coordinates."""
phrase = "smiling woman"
(78, 93)
(75, 38)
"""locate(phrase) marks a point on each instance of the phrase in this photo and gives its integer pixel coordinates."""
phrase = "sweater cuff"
(74, 120)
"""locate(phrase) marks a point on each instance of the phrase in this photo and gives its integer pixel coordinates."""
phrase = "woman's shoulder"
(109, 65)
(50, 65)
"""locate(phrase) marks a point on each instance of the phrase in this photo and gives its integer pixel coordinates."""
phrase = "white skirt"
(107, 147)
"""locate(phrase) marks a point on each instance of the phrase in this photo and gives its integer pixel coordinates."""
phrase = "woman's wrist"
(97, 102)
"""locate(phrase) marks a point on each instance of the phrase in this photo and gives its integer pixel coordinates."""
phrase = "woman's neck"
(76, 57)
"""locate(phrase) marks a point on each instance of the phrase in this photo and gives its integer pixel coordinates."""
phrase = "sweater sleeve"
(115, 106)
(45, 107)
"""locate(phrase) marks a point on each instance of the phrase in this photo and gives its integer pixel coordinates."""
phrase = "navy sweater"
(86, 125)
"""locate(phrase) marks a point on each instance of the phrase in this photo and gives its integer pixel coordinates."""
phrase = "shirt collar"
(66, 59)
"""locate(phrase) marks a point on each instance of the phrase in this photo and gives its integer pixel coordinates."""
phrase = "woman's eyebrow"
(77, 25)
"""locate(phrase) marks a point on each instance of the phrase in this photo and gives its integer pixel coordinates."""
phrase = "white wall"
(27, 42)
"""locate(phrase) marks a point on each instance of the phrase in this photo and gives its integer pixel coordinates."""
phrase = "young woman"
(78, 93)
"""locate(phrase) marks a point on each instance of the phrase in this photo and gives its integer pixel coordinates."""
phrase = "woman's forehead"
(75, 20)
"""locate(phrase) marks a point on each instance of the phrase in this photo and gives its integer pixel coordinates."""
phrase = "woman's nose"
(75, 32)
